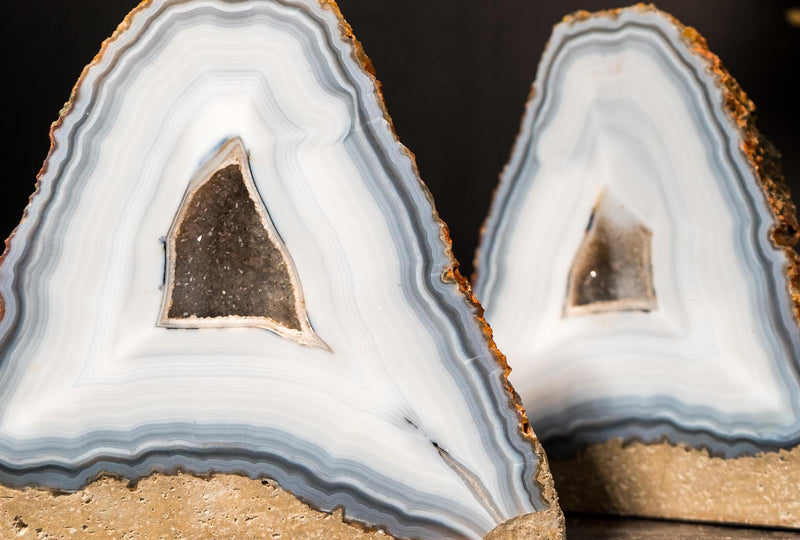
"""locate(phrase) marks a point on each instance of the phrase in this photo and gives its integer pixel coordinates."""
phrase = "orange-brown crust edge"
(764, 159)
(543, 477)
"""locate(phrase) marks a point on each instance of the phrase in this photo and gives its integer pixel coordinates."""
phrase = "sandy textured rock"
(182, 506)
(536, 526)
(668, 481)
(185, 506)
(548, 524)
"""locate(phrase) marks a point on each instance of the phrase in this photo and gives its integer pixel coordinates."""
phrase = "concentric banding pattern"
(407, 424)
(623, 104)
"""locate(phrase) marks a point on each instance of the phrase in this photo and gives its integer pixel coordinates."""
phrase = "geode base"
(677, 482)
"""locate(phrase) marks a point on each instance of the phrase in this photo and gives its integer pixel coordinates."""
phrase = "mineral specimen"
(231, 266)
(638, 270)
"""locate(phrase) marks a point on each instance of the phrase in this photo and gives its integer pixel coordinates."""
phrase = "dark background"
(455, 74)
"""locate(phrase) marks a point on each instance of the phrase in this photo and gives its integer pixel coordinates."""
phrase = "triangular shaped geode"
(404, 418)
(631, 104)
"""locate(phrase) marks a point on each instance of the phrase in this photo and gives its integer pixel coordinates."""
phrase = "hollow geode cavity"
(638, 270)
(232, 266)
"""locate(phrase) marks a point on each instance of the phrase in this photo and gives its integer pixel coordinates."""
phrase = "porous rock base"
(180, 506)
(185, 506)
(677, 482)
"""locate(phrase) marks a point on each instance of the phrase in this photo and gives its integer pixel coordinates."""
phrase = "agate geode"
(638, 270)
(231, 265)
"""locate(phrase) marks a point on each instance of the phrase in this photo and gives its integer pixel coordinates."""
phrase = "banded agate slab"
(636, 265)
(231, 265)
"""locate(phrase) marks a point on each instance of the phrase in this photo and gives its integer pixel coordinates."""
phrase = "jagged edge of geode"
(763, 157)
(451, 273)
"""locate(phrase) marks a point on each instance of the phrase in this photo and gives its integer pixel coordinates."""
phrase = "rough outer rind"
(678, 482)
(451, 274)
(539, 526)
(543, 476)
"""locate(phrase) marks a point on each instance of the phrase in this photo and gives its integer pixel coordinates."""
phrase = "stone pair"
(231, 266)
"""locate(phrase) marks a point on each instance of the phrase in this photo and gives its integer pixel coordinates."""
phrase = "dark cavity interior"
(612, 270)
(225, 262)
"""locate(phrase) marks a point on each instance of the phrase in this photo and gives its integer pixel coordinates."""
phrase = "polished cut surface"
(224, 179)
(673, 317)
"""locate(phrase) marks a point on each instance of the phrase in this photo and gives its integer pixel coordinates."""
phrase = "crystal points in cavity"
(226, 263)
(302, 210)
(680, 321)
(611, 270)
(212, 240)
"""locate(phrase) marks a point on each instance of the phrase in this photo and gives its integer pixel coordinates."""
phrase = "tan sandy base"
(546, 525)
(676, 482)
(182, 506)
